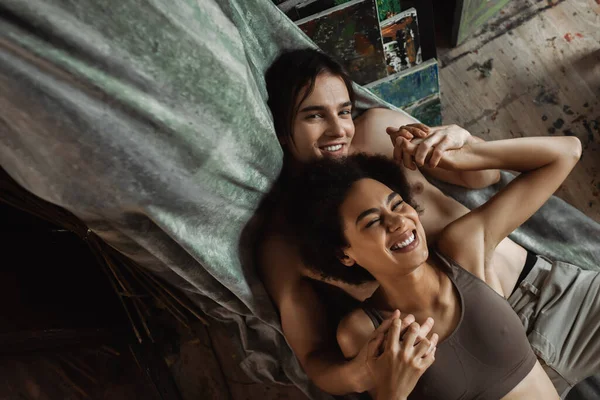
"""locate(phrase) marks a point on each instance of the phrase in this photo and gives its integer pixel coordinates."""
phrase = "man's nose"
(335, 129)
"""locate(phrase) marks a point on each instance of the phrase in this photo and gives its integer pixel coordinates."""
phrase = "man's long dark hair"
(288, 75)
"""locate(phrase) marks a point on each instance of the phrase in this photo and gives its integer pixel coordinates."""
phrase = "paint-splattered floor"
(543, 79)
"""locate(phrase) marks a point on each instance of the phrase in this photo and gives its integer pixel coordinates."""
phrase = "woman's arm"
(545, 162)
(437, 141)
(377, 128)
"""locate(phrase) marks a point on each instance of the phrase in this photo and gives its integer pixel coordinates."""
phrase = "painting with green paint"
(410, 86)
(299, 9)
(350, 34)
(401, 41)
(428, 111)
(388, 8)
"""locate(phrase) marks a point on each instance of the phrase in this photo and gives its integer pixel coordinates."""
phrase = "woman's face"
(323, 125)
(384, 233)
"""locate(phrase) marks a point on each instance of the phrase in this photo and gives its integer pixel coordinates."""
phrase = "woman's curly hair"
(312, 206)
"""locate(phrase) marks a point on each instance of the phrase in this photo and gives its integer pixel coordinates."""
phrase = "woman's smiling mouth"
(406, 244)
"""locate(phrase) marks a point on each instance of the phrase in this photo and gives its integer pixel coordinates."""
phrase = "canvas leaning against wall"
(350, 34)
(299, 9)
(388, 8)
(401, 41)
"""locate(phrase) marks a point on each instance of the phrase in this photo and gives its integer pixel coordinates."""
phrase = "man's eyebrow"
(321, 108)
(312, 108)
(365, 213)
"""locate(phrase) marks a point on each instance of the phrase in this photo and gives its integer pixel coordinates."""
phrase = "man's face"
(323, 125)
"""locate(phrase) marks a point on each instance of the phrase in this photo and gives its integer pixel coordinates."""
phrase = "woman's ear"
(346, 259)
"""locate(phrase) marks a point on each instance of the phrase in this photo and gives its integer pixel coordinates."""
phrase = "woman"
(357, 216)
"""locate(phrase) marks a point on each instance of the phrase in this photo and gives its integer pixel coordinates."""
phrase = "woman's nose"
(395, 222)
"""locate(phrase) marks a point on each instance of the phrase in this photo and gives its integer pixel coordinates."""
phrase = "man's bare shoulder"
(371, 136)
(278, 261)
(353, 331)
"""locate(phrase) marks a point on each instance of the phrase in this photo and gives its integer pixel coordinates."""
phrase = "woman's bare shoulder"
(463, 242)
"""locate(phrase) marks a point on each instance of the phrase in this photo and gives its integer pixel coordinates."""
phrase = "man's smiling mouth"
(333, 148)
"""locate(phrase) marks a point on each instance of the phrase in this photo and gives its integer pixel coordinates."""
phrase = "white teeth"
(405, 243)
(332, 148)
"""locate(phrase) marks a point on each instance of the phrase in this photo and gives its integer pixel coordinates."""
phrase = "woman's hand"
(426, 146)
(397, 370)
(365, 379)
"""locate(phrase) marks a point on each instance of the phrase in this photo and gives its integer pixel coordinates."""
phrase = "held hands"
(416, 144)
(396, 366)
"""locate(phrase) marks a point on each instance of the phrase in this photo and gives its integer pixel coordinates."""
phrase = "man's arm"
(305, 323)
(403, 361)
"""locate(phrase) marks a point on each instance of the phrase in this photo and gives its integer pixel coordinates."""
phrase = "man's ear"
(346, 259)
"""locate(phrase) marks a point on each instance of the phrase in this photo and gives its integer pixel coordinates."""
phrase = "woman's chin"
(415, 257)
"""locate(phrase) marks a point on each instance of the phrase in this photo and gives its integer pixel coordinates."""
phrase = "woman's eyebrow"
(363, 214)
(391, 197)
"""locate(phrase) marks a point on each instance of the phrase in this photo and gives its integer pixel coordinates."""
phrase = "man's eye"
(397, 204)
(346, 112)
(372, 223)
(314, 116)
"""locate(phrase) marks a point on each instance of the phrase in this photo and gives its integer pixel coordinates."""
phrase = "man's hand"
(408, 132)
(429, 149)
(375, 345)
(397, 370)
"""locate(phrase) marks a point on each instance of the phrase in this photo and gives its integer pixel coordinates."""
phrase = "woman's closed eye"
(372, 222)
(397, 204)
(380, 218)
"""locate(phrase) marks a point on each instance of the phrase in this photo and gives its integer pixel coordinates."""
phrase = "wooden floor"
(545, 80)
(207, 368)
